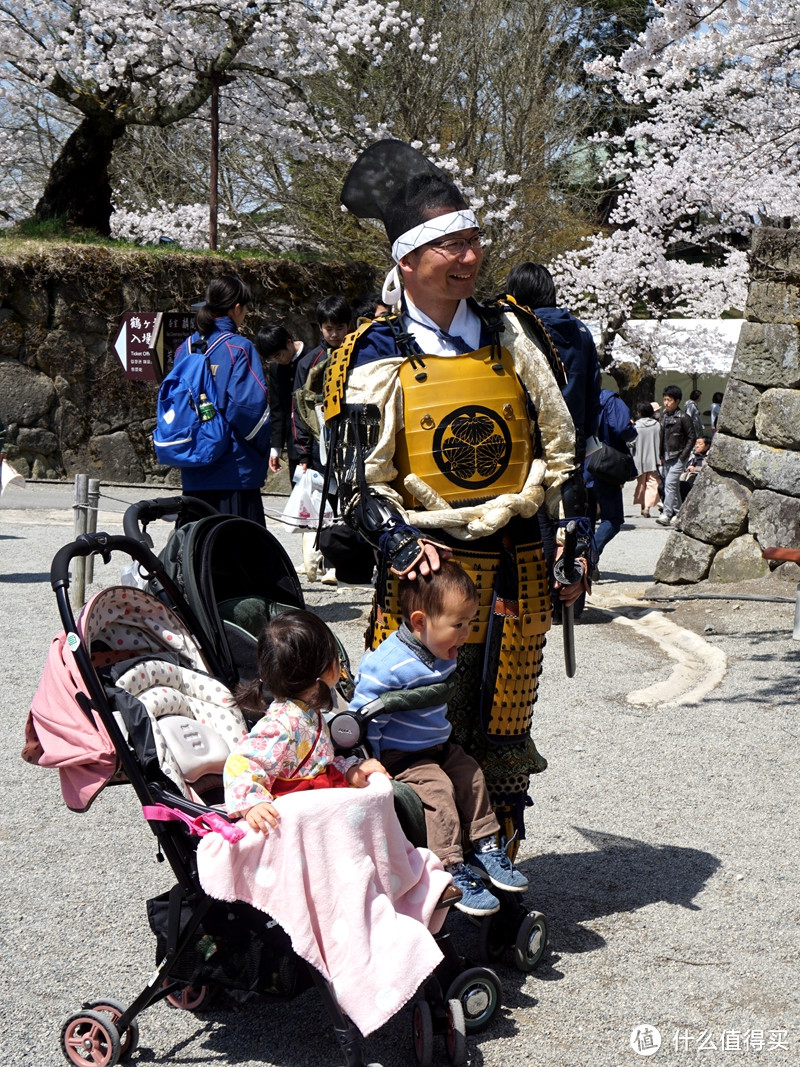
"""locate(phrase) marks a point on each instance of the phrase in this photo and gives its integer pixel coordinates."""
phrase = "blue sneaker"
(475, 897)
(498, 868)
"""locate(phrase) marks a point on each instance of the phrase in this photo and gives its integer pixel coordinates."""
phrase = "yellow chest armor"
(465, 427)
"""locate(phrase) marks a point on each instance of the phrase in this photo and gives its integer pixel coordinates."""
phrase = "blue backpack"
(190, 430)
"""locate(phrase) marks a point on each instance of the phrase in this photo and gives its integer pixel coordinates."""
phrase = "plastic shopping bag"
(303, 506)
(9, 476)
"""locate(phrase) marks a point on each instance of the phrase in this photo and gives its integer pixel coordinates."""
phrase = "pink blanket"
(355, 897)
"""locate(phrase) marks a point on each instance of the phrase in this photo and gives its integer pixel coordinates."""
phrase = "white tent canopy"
(686, 346)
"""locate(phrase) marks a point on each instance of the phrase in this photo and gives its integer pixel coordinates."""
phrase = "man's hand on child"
(358, 775)
(262, 816)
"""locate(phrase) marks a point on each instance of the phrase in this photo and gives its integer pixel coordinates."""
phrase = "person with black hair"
(281, 353)
(370, 306)
(531, 286)
(448, 433)
(693, 411)
(677, 441)
(233, 483)
(716, 408)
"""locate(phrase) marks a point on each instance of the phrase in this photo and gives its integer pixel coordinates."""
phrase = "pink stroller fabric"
(59, 734)
(117, 623)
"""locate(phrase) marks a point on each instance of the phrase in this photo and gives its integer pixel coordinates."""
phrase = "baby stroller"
(102, 717)
(235, 575)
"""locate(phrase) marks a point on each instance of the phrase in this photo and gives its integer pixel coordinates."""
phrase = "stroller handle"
(101, 544)
(170, 508)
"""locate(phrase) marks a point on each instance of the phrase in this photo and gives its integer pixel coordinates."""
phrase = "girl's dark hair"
(645, 411)
(695, 394)
(222, 294)
(271, 339)
(716, 398)
(295, 649)
(532, 286)
(428, 592)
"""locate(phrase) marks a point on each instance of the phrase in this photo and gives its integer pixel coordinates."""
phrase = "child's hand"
(262, 816)
(358, 775)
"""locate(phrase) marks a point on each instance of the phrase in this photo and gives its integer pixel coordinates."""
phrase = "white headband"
(431, 230)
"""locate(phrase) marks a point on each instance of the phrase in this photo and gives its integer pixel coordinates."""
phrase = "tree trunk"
(634, 385)
(78, 189)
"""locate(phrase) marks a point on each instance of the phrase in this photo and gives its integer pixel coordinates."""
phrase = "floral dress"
(290, 742)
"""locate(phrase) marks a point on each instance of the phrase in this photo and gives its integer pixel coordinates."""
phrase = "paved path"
(662, 846)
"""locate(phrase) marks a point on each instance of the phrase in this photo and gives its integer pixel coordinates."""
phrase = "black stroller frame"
(455, 1000)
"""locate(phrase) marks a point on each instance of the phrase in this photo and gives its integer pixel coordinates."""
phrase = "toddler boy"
(414, 746)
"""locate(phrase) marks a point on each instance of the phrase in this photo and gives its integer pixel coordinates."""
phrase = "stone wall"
(63, 395)
(747, 497)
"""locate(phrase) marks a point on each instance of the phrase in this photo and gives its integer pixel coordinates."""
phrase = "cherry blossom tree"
(715, 154)
(114, 64)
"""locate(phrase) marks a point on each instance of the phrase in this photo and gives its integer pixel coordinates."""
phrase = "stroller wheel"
(189, 997)
(87, 1037)
(456, 1033)
(129, 1038)
(480, 994)
(422, 1033)
(531, 941)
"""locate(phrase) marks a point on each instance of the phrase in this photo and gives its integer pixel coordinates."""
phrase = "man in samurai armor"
(448, 432)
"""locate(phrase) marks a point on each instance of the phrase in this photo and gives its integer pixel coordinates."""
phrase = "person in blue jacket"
(615, 428)
(531, 285)
(233, 483)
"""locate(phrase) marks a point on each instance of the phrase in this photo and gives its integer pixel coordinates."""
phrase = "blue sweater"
(401, 662)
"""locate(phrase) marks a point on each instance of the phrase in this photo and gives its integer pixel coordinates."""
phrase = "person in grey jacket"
(677, 441)
(646, 454)
(693, 411)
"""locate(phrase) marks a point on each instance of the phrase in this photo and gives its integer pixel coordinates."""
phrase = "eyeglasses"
(456, 246)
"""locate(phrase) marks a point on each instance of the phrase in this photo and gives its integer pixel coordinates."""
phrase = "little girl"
(290, 748)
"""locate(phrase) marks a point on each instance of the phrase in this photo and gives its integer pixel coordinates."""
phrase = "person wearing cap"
(448, 432)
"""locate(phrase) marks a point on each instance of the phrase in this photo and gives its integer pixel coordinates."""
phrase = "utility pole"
(217, 79)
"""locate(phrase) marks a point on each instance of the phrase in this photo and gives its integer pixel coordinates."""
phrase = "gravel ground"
(662, 847)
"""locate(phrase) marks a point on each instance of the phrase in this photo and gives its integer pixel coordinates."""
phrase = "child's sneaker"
(475, 897)
(499, 869)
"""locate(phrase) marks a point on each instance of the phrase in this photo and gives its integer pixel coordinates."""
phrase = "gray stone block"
(768, 354)
(716, 509)
(739, 407)
(25, 395)
(774, 519)
(740, 561)
(683, 560)
(764, 467)
(773, 301)
(778, 418)
(774, 249)
(114, 458)
(37, 440)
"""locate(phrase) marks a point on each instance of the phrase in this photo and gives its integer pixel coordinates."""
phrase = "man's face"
(438, 272)
(670, 403)
(334, 333)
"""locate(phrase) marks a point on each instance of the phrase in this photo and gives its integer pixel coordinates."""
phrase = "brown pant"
(452, 787)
